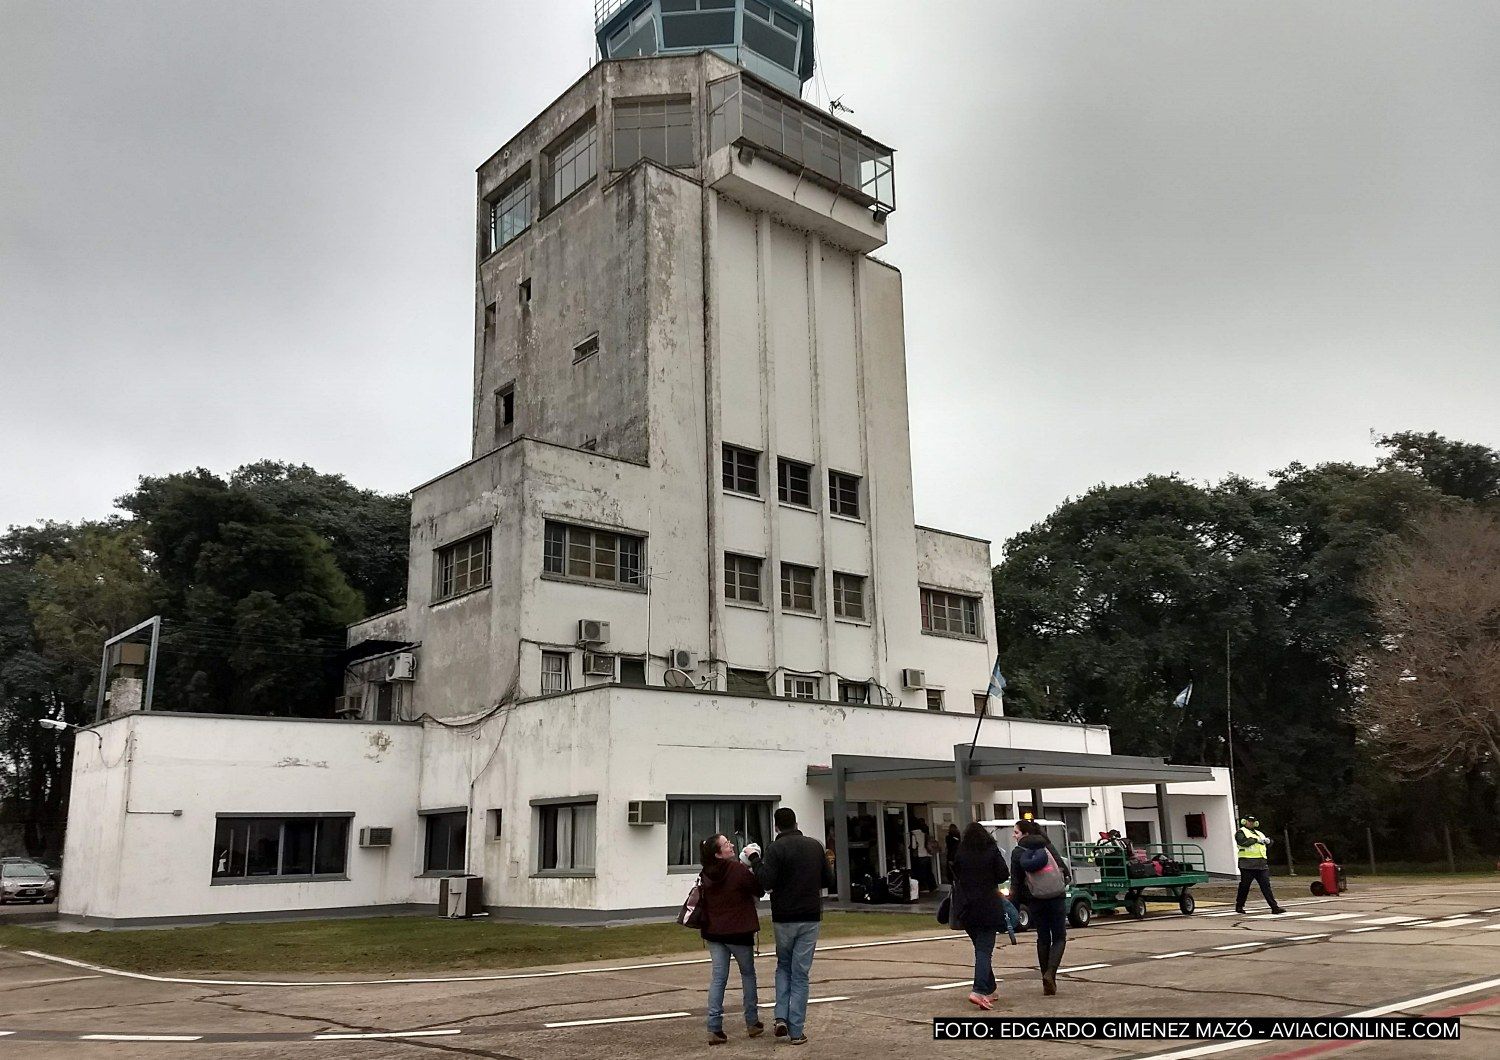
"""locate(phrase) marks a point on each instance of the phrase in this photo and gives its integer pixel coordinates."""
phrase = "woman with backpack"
(729, 925)
(1040, 877)
(975, 904)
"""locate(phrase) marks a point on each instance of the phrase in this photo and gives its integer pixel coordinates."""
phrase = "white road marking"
(841, 997)
(1169, 956)
(1493, 927)
(1230, 913)
(1490, 910)
(1332, 916)
(1463, 922)
(1419, 923)
(1082, 968)
(618, 1019)
(350, 1035)
(1277, 916)
(4, 1034)
(40, 982)
(1239, 946)
(1304, 938)
(1391, 920)
(1383, 1010)
(1360, 931)
(936, 986)
(140, 1037)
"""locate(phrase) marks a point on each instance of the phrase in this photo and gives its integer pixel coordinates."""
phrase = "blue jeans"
(794, 957)
(718, 979)
(984, 968)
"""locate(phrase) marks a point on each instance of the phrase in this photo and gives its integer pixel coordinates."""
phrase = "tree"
(1459, 469)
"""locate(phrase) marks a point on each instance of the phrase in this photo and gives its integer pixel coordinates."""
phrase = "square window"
(849, 596)
(854, 692)
(660, 129)
(444, 846)
(565, 839)
(799, 588)
(794, 482)
(463, 566)
(741, 470)
(798, 686)
(843, 494)
(1197, 825)
(742, 578)
(555, 674)
(934, 699)
(633, 672)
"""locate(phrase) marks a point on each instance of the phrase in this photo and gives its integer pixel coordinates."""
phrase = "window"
(1197, 825)
(742, 470)
(586, 349)
(843, 494)
(798, 686)
(794, 483)
(281, 848)
(463, 566)
(799, 588)
(593, 555)
(697, 23)
(510, 211)
(950, 613)
(633, 672)
(524, 288)
(748, 682)
(635, 38)
(849, 596)
(661, 130)
(1138, 832)
(981, 704)
(573, 162)
(443, 849)
(770, 33)
(505, 406)
(489, 319)
(565, 837)
(691, 821)
(853, 692)
(554, 672)
(742, 578)
(496, 828)
(934, 699)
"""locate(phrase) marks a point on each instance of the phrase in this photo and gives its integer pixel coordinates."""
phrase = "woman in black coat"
(978, 871)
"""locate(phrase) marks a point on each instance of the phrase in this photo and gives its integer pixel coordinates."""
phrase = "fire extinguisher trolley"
(1330, 874)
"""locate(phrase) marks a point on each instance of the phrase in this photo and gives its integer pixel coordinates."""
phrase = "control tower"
(771, 38)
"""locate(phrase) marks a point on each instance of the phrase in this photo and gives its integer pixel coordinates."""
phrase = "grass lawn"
(392, 945)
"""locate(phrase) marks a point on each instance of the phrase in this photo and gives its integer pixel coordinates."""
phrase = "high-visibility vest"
(1257, 847)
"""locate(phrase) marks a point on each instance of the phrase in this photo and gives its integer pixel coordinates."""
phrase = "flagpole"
(1229, 722)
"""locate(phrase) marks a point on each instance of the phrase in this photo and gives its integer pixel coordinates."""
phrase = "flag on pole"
(997, 683)
(1184, 697)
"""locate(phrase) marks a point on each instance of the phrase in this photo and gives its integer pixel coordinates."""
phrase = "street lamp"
(58, 725)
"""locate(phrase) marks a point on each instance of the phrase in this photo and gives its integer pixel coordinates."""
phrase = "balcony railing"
(801, 138)
(604, 10)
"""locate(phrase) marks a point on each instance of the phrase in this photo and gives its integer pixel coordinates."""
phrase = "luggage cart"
(1114, 887)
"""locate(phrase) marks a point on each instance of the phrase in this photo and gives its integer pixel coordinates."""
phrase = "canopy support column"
(841, 833)
(1036, 804)
(965, 807)
(1163, 818)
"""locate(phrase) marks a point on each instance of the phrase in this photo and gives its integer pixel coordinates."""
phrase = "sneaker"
(800, 1039)
(717, 1038)
(980, 1001)
(755, 1030)
(781, 1028)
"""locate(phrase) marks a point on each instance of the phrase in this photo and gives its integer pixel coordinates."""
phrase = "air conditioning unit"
(401, 667)
(349, 706)
(375, 837)
(592, 631)
(681, 659)
(597, 664)
(646, 812)
(913, 679)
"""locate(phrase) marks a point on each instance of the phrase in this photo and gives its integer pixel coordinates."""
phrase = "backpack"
(1047, 881)
(691, 913)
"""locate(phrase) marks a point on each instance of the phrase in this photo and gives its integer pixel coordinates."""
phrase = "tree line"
(1348, 616)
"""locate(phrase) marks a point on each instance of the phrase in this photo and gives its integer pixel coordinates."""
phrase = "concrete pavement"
(1369, 949)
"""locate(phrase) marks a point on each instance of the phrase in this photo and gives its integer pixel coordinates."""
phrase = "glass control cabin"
(773, 39)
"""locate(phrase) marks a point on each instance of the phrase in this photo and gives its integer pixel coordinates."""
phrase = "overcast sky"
(1138, 235)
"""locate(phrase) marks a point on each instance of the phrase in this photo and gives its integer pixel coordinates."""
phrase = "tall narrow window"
(658, 129)
(554, 672)
(794, 482)
(849, 596)
(741, 470)
(843, 494)
(463, 566)
(505, 406)
(572, 162)
(742, 579)
(799, 588)
(510, 210)
(934, 699)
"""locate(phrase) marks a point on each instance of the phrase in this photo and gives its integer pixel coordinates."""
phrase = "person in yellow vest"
(1253, 864)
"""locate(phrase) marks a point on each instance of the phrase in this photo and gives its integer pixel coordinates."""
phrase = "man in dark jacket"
(795, 870)
(1254, 866)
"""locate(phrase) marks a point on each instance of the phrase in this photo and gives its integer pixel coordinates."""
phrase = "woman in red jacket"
(730, 924)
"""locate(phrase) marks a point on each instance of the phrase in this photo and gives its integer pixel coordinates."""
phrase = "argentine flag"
(1184, 697)
(997, 683)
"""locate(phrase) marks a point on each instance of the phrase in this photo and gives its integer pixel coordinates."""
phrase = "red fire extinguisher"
(1330, 873)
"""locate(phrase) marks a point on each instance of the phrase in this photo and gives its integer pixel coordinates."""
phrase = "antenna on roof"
(839, 105)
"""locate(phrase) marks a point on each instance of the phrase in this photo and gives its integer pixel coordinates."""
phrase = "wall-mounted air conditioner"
(401, 667)
(375, 837)
(597, 664)
(646, 811)
(592, 631)
(913, 679)
(681, 659)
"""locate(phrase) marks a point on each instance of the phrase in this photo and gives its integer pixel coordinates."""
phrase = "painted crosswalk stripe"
(1493, 927)
(1169, 956)
(4, 1034)
(825, 1000)
(351, 1035)
(1082, 968)
(619, 1019)
(1361, 931)
(1332, 916)
(140, 1037)
(1391, 920)
(936, 986)
(1239, 946)
(1463, 922)
(1304, 938)
(1490, 910)
(1277, 916)
(1230, 913)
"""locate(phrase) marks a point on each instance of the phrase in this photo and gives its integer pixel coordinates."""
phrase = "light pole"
(58, 725)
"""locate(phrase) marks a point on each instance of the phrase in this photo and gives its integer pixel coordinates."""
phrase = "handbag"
(691, 913)
(945, 907)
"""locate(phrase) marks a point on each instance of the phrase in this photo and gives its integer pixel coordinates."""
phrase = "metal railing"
(604, 10)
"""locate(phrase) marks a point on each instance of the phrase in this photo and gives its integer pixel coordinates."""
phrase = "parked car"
(24, 880)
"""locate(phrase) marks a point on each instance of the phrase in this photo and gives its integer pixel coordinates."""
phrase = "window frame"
(512, 193)
(444, 578)
(677, 805)
(839, 489)
(940, 704)
(444, 817)
(788, 681)
(735, 578)
(850, 692)
(589, 347)
(249, 820)
(565, 559)
(741, 674)
(969, 607)
(585, 128)
(673, 109)
(784, 465)
(732, 468)
(564, 672)
(789, 589)
(841, 596)
(505, 407)
(541, 811)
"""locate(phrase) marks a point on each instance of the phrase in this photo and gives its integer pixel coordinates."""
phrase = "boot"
(1049, 970)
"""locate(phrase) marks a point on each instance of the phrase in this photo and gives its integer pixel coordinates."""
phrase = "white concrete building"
(690, 467)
